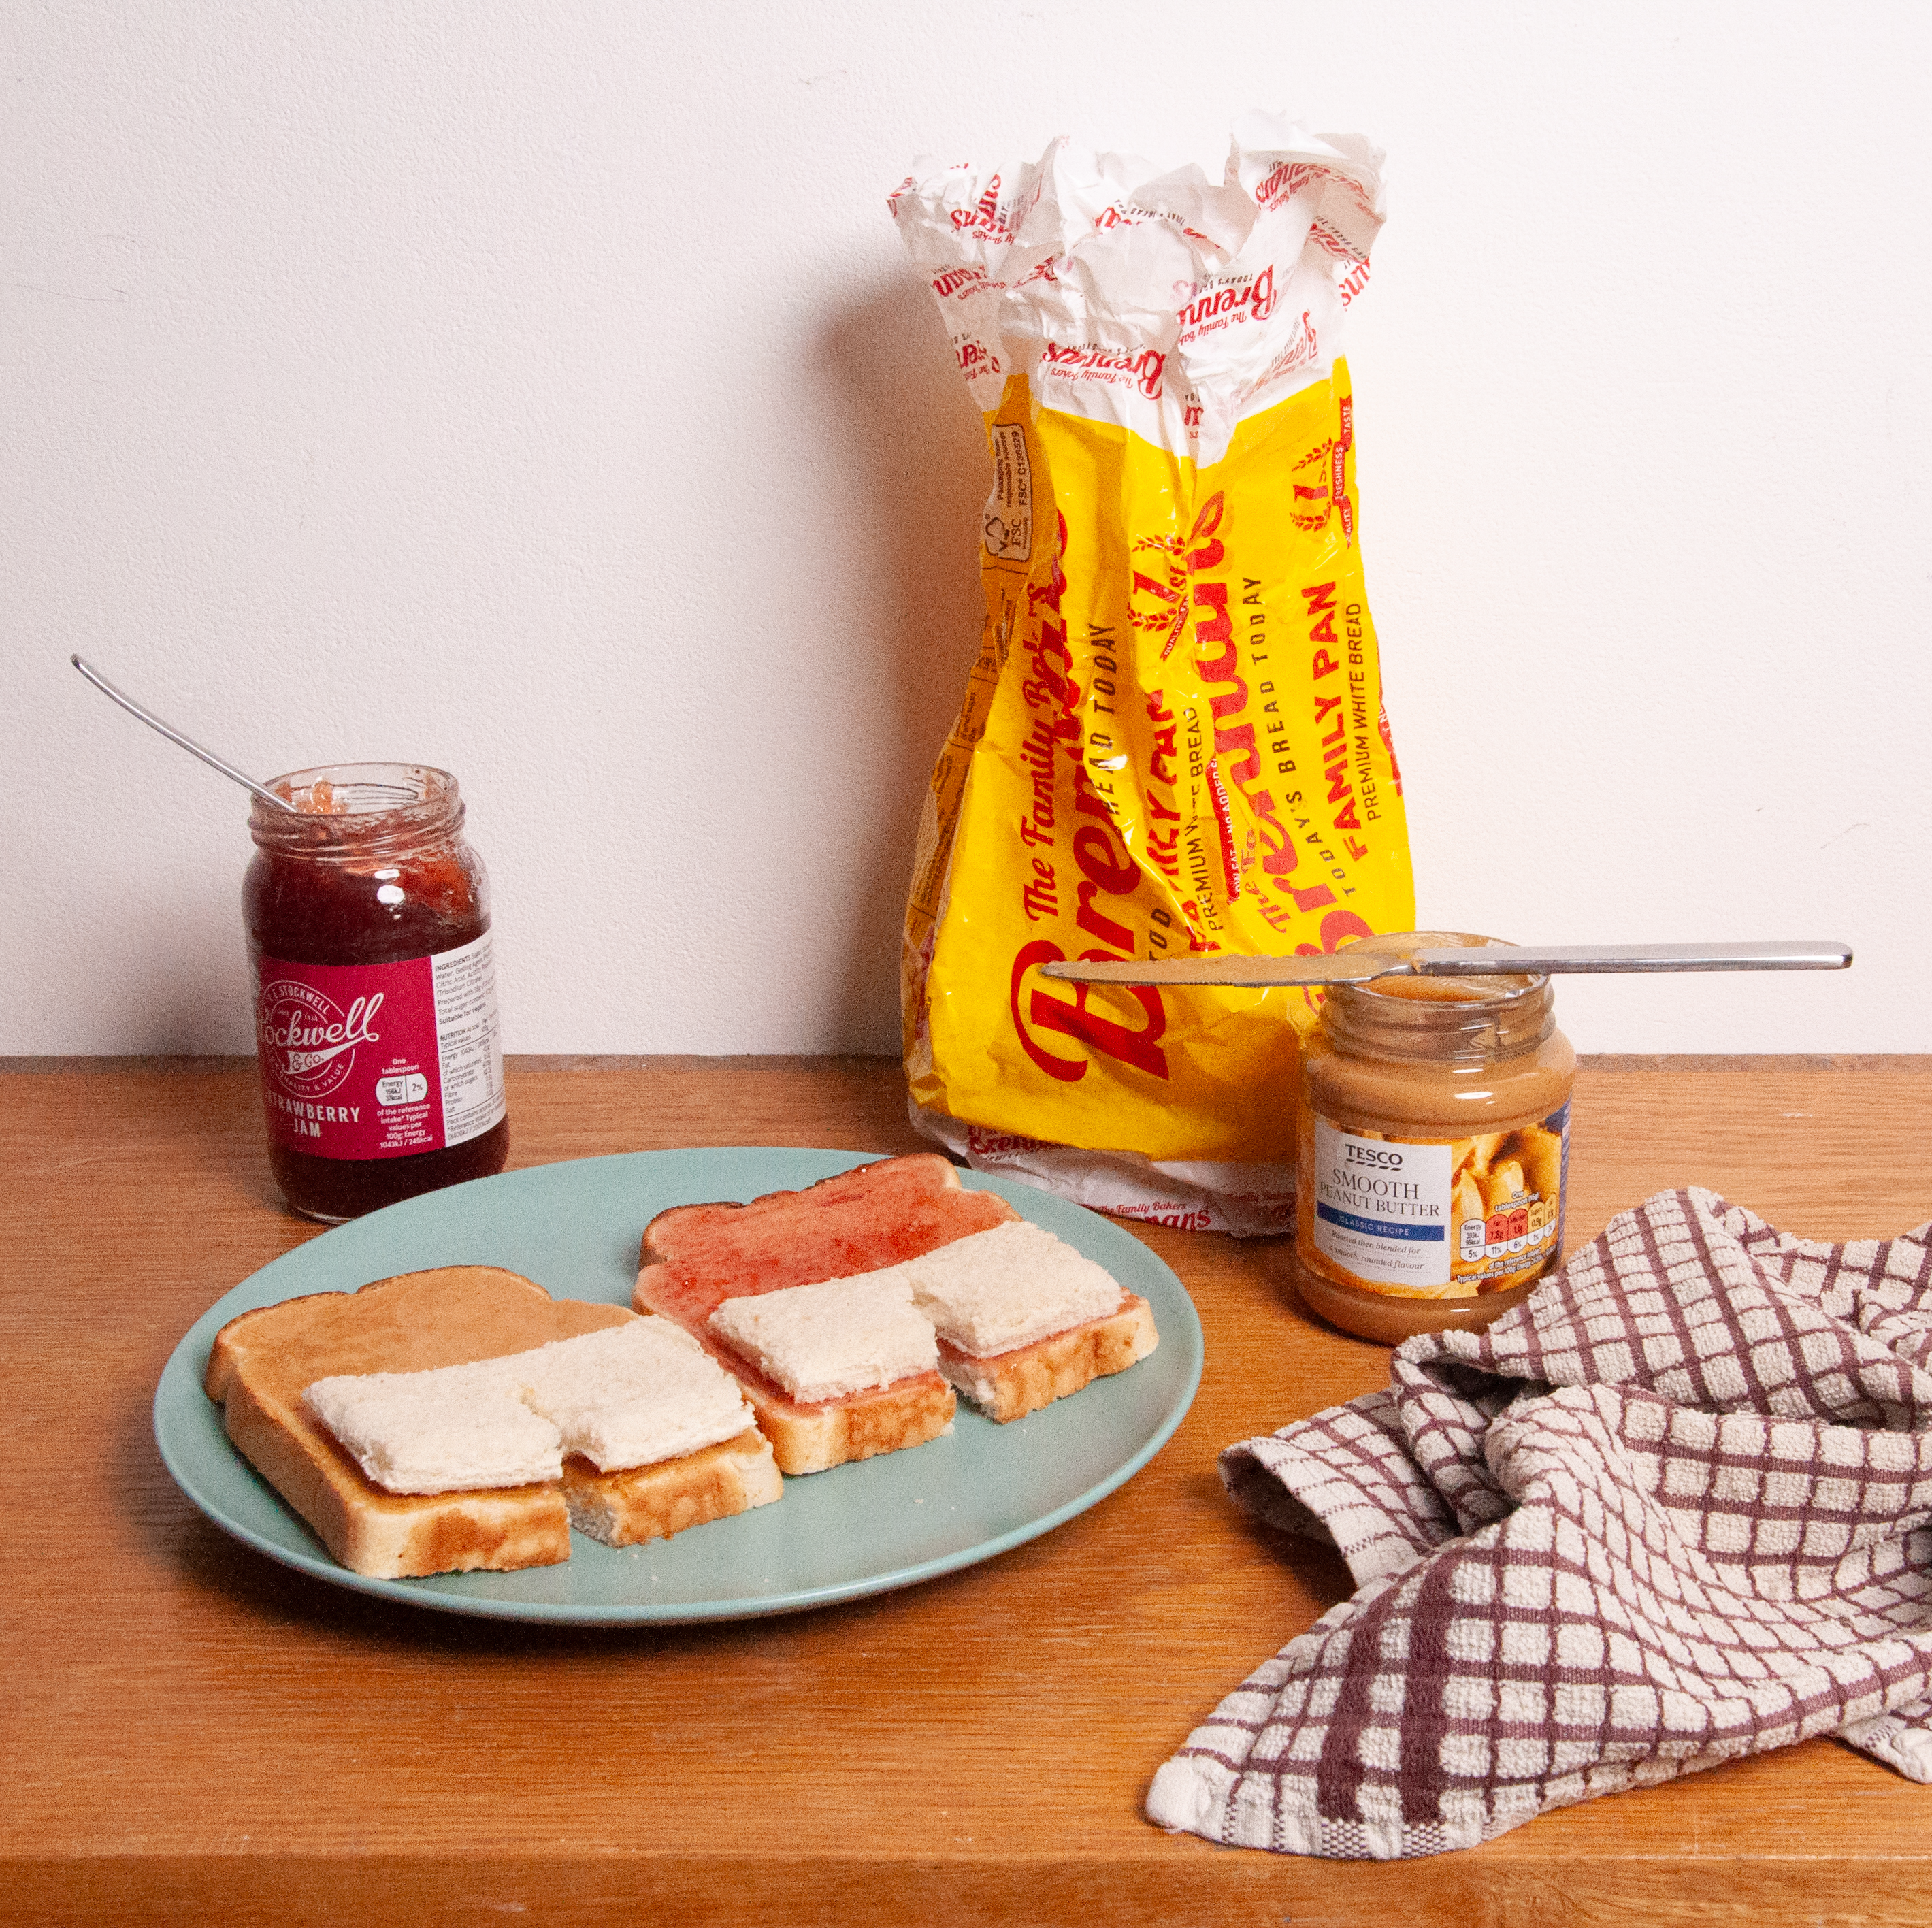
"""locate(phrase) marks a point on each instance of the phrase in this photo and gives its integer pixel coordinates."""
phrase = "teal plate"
(840, 1535)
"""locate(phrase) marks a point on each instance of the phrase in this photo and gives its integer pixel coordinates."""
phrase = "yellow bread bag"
(1173, 739)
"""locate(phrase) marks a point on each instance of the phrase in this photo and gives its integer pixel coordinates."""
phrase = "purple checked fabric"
(1675, 1508)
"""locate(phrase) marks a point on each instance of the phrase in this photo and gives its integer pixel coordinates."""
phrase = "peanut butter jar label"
(1446, 1218)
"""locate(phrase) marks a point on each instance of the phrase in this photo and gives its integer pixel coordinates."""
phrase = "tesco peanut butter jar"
(1432, 1146)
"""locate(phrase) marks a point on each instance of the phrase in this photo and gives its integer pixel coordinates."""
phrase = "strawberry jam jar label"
(380, 1061)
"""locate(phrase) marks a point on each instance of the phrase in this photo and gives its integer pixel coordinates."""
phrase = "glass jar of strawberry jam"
(375, 1026)
(1432, 1146)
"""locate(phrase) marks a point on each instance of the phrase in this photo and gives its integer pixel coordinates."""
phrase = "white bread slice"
(262, 1361)
(1024, 1319)
(826, 1341)
(633, 1396)
(625, 1396)
(695, 1257)
(451, 1429)
(1006, 1288)
(1011, 1383)
(809, 1436)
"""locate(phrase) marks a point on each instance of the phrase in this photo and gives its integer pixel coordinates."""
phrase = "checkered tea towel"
(1675, 1507)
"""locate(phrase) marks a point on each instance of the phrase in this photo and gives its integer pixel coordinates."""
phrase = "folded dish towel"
(1675, 1508)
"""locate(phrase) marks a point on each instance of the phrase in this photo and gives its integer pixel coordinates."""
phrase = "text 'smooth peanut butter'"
(1433, 1141)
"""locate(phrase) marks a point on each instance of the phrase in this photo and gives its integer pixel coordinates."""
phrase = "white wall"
(540, 391)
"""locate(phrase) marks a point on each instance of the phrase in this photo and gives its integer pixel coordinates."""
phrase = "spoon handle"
(174, 735)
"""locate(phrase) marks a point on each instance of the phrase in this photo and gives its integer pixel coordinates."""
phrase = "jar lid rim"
(365, 805)
(1484, 993)
(1484, 997)
(373, 787)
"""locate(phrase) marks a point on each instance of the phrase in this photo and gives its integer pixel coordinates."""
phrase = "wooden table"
(193, 1734)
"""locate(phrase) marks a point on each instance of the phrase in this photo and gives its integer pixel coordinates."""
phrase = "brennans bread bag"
(1173, 739)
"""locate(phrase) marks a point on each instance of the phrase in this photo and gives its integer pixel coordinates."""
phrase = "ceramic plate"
(856, 1530)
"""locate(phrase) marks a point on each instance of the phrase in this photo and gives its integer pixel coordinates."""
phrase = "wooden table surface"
(193, 1733)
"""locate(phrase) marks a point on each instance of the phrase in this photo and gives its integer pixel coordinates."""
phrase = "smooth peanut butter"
(1432, 1141)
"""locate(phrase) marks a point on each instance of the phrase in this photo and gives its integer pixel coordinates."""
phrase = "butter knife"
(1353, 967)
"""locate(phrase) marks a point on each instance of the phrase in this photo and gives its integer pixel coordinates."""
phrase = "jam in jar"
(376, 1025)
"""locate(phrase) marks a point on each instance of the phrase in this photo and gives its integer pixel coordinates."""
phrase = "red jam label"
(380, 1061)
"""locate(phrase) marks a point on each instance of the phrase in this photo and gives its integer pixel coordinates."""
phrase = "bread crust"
(392, 1536)
(262, 1361)
(883, 1418)
(647, 1503)
(1008, 1384)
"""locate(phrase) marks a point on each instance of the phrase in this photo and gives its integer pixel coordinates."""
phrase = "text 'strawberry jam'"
(375, 1024)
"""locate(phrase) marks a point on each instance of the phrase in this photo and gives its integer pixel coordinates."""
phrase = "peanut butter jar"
(1432, 1147)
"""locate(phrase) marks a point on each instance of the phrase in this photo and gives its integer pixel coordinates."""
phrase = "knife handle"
(1570, 959)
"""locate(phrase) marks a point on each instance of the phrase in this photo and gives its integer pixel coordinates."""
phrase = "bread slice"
(1022, 1381)
(261, 1362)
(696, 1256)
(811, 1437)
(640, 1503)
(828, 1341)
(1024, 1318)
(654, 1502)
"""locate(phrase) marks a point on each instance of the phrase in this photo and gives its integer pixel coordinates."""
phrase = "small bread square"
(654, 1502)
(1012, 1384)
(633, 1395)
(837, 1337)
(452, 1430)
(1008, 1287)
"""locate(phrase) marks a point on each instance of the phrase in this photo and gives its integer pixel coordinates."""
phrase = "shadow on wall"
(181, 985)
(919, 472)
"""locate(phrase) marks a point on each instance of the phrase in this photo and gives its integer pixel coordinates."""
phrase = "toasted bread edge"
(371, 1531)
(647, 1503)
(1012, 1383)
(391, 1536)
(887, 1418)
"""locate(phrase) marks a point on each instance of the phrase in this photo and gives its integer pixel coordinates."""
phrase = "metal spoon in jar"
(1358, 966)
(174, 735)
